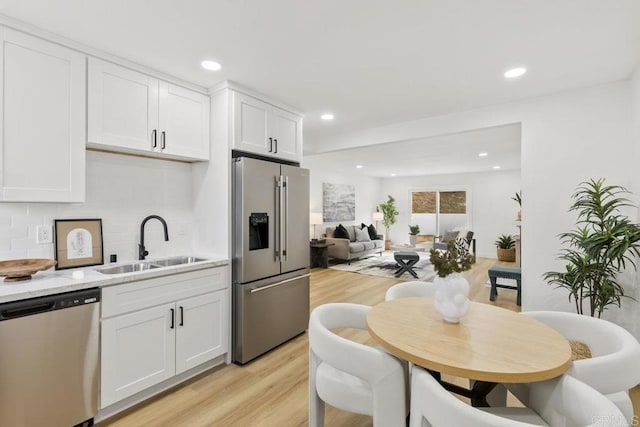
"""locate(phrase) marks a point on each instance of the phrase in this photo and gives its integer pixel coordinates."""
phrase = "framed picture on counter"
(78, 243)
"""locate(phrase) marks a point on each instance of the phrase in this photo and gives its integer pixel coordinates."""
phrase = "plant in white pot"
(451, 297)
(389, 217)
(413, 234)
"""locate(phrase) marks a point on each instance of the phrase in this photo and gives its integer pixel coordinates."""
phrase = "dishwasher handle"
(33, 306)
(27, 311)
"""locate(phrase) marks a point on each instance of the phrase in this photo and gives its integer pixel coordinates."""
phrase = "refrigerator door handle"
(276, 223)
(273, 285)
(285, 224)
(281, 219)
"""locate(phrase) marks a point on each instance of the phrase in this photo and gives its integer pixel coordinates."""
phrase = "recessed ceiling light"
(211, 65)
(496, 167)
(515, 72)
(359, 166)
(483, 154)
(327, 116)
(393, 174)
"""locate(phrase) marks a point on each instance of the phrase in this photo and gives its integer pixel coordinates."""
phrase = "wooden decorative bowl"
(16, 270)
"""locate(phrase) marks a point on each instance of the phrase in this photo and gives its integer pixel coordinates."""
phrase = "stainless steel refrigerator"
(270, 255)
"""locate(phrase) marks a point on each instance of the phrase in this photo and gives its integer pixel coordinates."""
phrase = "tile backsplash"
(121, 190)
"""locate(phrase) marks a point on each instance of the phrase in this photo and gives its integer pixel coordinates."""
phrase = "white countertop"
(55, 282)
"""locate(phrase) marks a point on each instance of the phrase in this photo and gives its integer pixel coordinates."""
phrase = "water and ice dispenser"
(258, 231)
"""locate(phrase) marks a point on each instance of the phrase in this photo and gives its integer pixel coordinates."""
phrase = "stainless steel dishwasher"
(49, 356)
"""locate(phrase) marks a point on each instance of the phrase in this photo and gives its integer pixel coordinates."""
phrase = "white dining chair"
(614, 366)
(414, 288)
(559, 402)
(352, 376)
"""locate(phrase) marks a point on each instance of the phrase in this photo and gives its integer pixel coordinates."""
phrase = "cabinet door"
(123, 107)
(250, 131)
(202, 332)
(286, 129)
(42, 144)
(138, 351)
(184, 122)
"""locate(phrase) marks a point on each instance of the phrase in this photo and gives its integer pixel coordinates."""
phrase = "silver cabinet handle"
(264, 288)
(163, 138)
(275, 141)
(270, 144)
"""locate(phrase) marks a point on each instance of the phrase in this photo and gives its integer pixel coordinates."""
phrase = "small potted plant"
(506, 248)
(451, 287)
(413, 234)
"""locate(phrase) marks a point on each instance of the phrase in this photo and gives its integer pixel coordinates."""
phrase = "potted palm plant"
(600, 247)
(389, 217)
(506, 248)
(413, 234)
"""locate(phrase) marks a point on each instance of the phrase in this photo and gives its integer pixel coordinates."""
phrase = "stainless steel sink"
(128, 268)
(179, 260)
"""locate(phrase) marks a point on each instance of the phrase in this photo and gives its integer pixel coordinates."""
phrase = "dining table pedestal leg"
(478, 392)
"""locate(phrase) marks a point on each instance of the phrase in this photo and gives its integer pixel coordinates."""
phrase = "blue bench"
(505, 273)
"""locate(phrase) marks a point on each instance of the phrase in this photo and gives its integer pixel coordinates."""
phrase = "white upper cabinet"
(42, 121)
(135, 113)
(264, 129)
(184, 122)
(286, 129)
(123, 107)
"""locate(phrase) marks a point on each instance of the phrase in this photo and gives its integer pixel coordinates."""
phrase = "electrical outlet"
(44, 234)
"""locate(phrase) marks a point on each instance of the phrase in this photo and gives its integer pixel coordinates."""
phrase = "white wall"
(567, 138)
(492, 212)
(121, 190)
(368, 194)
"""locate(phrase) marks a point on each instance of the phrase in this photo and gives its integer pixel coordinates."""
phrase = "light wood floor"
(272, 391)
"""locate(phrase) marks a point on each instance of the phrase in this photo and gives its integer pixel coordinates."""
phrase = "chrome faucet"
(142, 252)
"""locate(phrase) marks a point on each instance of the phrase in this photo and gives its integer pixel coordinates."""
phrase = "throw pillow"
(362, 235)
(462, 245)
(373, 233)
(340, 232)
(449, 236)
(363, 225)
(351, 231)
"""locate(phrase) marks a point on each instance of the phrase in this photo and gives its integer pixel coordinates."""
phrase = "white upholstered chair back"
(415, 288)
(560, 402)
(352, 376)
(614, 367)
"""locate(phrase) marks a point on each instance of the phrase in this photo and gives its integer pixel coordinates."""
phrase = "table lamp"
(315, 218)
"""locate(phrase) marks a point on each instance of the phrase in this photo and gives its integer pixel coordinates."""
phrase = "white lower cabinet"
(138, 351)
(147, 346)
(201, 333)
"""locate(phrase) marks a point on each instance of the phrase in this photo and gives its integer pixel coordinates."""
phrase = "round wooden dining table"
(490, 344)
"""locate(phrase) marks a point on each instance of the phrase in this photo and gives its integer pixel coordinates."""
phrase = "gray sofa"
(348, 249)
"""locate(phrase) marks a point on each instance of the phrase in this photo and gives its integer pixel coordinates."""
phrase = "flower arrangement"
(455, 259)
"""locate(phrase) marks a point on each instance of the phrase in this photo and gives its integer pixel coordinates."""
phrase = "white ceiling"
(456, 153)
(370, 62)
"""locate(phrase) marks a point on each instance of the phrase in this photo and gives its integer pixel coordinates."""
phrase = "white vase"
(451, 296)
(413, 239)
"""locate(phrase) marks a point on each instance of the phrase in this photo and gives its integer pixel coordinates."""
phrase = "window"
(438, 211)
